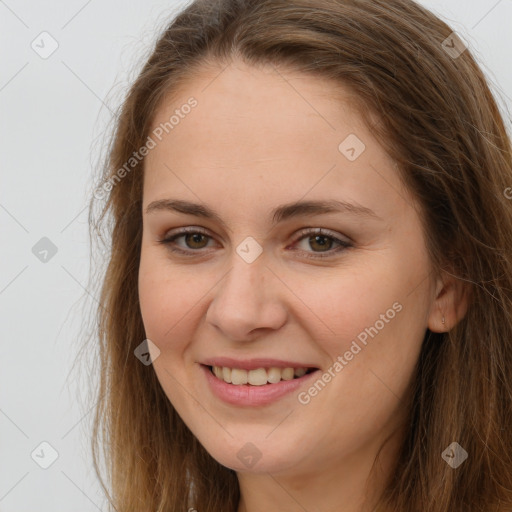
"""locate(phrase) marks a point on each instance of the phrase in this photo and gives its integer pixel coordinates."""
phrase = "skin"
(259, 138)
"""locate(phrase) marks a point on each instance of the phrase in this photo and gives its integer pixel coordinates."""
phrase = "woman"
(312, 245)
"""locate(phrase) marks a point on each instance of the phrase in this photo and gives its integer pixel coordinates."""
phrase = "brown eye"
(316, 239)
(321, 242)
(193, 240)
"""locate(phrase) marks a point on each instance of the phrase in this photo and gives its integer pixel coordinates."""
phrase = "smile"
(259, 376)
(256, 387)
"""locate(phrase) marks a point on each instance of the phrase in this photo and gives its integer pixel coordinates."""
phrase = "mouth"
(259, 384)
(258, 376)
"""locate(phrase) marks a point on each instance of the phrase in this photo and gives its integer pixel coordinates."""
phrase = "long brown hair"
(439, 121)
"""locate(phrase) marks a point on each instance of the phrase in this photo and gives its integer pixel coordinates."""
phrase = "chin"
(254, 457)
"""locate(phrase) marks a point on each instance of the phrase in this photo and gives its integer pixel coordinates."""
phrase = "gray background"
(54, 113)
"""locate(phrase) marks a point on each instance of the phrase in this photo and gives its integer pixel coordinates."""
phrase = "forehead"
(261, 129)
(261, 107)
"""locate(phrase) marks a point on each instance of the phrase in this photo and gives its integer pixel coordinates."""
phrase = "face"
(261, 281)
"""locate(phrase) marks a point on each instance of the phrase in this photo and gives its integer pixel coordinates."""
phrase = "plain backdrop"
(54, 115)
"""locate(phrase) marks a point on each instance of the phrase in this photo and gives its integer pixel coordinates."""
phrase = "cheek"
(172, 307)
(338, 306)
(163, 301)
(166, 316)
(372, 321)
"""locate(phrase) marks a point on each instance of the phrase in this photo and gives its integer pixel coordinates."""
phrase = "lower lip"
(248, 395)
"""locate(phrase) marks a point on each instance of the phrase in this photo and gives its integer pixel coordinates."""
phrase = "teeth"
(237, 376)
(299, 372)
(274, 375)
(258, 377)
(287, 374)
(226, 374)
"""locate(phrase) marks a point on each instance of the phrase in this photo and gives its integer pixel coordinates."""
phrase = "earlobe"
(449, 306)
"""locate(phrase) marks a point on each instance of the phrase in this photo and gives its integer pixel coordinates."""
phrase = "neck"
(350, 485)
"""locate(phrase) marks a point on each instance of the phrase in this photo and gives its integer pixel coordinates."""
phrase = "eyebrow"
(279, 214)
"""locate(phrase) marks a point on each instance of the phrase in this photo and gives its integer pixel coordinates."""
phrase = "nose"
(248, 301)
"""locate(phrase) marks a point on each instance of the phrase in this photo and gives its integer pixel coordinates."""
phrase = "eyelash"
(303, 233)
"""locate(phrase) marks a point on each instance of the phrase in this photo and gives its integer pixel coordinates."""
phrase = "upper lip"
(253, 364)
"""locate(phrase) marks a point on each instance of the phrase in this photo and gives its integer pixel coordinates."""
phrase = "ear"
(451, 302)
